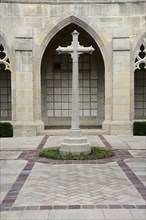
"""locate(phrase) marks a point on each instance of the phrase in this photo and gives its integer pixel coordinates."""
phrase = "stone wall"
(27, 28)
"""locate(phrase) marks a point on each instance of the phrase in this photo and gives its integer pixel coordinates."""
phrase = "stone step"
(64, 132)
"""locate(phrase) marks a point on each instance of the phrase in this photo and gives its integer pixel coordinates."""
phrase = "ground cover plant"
(96, 153)
(139, 128)
(6, 129)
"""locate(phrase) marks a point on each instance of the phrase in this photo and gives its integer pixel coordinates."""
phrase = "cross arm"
(68, 49)
(82, 49)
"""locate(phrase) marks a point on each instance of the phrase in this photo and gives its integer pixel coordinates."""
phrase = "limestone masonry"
(36, 81)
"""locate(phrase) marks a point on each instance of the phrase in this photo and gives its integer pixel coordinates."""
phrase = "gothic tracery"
(4, 60)
(140, 61)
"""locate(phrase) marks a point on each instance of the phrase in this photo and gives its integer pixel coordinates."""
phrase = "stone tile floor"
(47, 189)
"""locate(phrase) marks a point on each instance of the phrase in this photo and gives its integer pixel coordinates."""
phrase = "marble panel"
(57, 105)
(49, 75)
(86, 98)
(65, 83)
(50, 83)
(94, 75)
(9, 98)
(86, 91)
(94, 83)
(93, 97)
(93, 105)
(57, 75)
(64, 98)
(64, 105)
(86, 112)
(57, 90)
(57, 83)
(93, 90)
(49, 91)
(57, 98)
(50, 98)
(86, 105)
(86, 75)
(65, 113)
(4, 83)
(93, 112)
(64, 58)
(4, 91)
(4, 113)
(50, 105)
(86, 83)
(50, 113)
(64, 66)
(86, 66)
(3, 98)
(58, 113)
(64, 75)
(4, 106)
(65, 90)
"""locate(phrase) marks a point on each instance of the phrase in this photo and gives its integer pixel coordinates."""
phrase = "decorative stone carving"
(140, 61)
(4, 60)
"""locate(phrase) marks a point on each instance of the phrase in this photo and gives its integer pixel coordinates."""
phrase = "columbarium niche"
(140, 84)
(5, 86)
(56, 82)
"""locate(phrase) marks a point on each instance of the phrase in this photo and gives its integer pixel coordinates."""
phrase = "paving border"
(11, 196)
(7, 203)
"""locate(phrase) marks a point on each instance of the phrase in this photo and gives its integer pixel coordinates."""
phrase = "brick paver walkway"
(38, 188)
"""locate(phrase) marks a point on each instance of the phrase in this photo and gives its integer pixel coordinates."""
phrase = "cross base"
(75, 144)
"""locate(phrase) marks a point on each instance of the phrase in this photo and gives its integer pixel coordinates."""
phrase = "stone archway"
(56, 73)
(140, 83)
(5, 86)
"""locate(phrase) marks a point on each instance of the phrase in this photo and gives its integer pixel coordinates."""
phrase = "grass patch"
(96, 153)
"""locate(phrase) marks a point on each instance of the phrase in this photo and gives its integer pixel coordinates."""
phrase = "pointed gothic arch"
(140, 82)
(56, 81)
(42, 39)
(5, 86)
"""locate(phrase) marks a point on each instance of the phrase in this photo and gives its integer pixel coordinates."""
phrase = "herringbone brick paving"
(111, 190)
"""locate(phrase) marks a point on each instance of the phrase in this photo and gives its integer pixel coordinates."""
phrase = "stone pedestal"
(75, 144)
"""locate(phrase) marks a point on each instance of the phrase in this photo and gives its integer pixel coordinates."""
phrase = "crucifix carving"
(75, 49)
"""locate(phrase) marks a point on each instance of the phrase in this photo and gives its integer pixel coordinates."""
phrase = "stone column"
(24, 116)
(121, 123)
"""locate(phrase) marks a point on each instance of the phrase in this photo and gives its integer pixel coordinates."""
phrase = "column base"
(75, 144)
(39, 126)
(106, 124)
(21, 129)
(121, 128)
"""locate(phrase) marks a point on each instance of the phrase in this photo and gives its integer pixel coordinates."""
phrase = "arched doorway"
(56, 81)
(140, 84)
(5, 86)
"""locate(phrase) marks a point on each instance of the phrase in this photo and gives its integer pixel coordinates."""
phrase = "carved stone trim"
(140, 61)
(4, 60)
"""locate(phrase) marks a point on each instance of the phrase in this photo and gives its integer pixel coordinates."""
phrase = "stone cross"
(75, 49)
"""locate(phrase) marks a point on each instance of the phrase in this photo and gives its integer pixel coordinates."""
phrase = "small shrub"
(6, 129)
(139, 128)
(96, 153)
